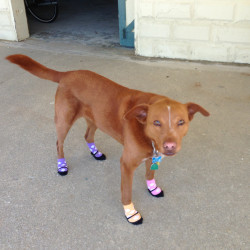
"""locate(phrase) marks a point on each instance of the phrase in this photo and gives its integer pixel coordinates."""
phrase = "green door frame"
(126, 33)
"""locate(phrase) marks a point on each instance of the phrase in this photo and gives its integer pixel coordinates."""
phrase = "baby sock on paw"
(93, 149)
(95, 152)
(154, 190)
(62, 167)
(131, 214)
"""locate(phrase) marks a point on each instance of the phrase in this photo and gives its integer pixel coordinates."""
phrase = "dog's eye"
(157, 123)
(181, 122)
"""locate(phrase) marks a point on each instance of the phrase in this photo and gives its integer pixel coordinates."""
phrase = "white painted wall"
(13, 21)
(130, 15)
(211, 30)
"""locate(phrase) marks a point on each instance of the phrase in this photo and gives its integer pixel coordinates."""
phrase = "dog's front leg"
(149, 173)
(151, 184)
(127, 174)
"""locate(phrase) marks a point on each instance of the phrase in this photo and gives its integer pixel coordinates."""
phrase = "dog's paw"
(99, 158)
(158, 194)
(132, 216)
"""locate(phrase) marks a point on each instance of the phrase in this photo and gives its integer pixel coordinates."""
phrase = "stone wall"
(211, 30)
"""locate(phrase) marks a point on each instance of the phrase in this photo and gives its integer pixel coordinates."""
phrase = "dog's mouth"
(169, 153)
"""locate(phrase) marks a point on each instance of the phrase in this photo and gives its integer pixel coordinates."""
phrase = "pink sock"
(152, 187)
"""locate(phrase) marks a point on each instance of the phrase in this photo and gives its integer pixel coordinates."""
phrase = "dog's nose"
(170, 148)
(169, 145)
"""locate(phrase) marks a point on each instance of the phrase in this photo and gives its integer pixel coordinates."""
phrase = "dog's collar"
(155, 152)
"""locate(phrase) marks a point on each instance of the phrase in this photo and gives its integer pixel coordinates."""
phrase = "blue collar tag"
(155, 162)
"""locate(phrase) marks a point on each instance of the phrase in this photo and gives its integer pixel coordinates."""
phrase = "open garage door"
(126, 22)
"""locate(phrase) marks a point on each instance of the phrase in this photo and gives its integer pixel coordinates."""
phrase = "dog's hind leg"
(89, 137)
(62, 130)
(66, 112)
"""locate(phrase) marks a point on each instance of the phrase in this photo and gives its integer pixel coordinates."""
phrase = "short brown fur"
(128, 115)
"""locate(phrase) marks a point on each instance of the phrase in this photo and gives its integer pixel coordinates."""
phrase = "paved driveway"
(206, 203)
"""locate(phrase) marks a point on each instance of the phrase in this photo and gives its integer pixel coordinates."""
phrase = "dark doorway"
(81, 21)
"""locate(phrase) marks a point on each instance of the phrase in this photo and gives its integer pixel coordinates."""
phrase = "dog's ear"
(139, 112)
(193, 108)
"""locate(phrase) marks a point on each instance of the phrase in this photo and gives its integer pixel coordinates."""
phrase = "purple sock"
(93, 149)
(62, 166)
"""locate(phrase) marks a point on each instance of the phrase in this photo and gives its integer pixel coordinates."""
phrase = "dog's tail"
(35, 68)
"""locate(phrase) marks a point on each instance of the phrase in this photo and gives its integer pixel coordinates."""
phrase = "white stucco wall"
(13, 21)
(130, 15)
(211, 30)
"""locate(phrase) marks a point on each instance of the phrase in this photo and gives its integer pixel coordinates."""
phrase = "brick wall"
(211, 30)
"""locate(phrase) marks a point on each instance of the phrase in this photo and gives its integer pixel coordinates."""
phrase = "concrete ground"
(206, 203)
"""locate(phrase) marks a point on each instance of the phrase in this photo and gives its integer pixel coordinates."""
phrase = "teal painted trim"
(125, 32)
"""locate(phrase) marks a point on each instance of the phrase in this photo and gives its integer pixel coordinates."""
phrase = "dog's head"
(165, 122)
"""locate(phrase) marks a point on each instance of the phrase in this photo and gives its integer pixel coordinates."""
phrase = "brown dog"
(148, 125)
